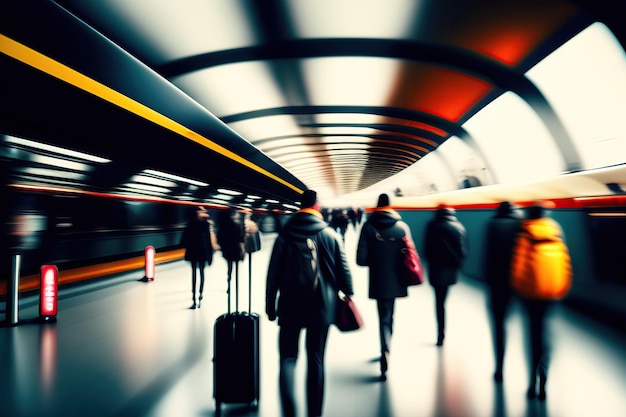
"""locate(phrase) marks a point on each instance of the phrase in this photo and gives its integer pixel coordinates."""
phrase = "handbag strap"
(381, 237)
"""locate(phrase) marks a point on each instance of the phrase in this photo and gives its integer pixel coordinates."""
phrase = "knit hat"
(308, 199)
(383, 200)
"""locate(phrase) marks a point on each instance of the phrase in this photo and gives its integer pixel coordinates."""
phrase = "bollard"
(13, 287)
(149, 264)
(48, 293)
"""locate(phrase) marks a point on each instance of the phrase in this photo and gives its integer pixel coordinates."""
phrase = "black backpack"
(302, 275)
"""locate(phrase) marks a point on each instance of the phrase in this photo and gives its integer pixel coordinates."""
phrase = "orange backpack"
(541, 266)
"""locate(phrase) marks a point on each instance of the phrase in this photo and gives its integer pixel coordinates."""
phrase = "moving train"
(81, 230)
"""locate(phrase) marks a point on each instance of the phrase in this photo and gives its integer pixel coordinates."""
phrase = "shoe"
(497, 376)
(193, 306)
(199, 300)
(384, 362)
(384, 365)
(440, 340)
(542, 389)
(542, 395)
(531, 393)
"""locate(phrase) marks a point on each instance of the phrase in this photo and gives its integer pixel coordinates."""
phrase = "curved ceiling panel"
(325, 94)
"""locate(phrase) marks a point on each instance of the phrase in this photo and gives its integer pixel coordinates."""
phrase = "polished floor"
(122, 347)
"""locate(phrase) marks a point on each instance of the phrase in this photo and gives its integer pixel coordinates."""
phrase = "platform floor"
(122, 347)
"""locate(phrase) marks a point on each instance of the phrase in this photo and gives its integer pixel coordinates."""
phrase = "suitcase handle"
(237, 286)
(250, 282)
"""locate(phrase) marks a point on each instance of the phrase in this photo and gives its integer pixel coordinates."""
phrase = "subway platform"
(123, 347)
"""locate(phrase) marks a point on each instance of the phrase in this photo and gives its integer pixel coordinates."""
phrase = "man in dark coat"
(445, 247)
(230, 238)
(196, 241)
(499, 240)
(379, 248)
(315, 312)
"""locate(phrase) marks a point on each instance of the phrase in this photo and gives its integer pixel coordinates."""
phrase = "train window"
(585, 82)
(609, 246)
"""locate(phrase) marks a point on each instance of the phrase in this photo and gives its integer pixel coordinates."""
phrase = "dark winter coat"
(197, 241)
(335, 273)
(445, 247)
(379, 248)
(230, 237)
(498, 250)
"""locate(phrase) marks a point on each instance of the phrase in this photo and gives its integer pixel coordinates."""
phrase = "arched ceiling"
(326, 94)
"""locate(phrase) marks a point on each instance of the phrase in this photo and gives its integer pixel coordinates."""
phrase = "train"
(77, 229)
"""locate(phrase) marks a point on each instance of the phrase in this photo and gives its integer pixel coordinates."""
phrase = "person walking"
(196, 241)
(379, 248)
(310, 305)
(230, 238)
(445, 248)
(540, 275)
(499, 239)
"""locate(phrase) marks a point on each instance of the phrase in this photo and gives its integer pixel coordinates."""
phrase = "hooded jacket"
(445, 247)
(196, 240)
(499, 240)
(379, 248)
(334, 270)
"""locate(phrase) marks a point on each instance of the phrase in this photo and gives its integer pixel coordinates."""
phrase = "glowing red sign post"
(48, 293)
(149, 263)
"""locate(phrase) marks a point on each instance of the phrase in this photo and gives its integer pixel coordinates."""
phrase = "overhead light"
(146, 187)
(175, 177)
(55, 149)
(45, 172)
(229, 192)
(269, 200)
(59, 162)
(152, 181)
(223, 197)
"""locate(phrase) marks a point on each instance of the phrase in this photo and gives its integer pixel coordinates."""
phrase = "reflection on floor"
(122, 347)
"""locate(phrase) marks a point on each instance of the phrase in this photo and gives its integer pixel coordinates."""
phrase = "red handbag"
(347, 316)
(411, 271)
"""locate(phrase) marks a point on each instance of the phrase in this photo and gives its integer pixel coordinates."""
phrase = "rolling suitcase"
(236, 355)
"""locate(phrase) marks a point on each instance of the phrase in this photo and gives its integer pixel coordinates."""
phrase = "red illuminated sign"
(149, 263)
(48, 298)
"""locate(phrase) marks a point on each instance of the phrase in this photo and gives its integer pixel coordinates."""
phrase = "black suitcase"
(236, 355)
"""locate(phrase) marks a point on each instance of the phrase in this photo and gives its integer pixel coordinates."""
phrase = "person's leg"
(535, 331)
(441, 292)
(316, 336)
(201, 289)
(498, 308)
(385, 319)
(288, 341)
(193, 283)
(543, 335)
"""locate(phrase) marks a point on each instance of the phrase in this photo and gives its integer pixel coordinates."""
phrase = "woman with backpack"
(541, 274)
